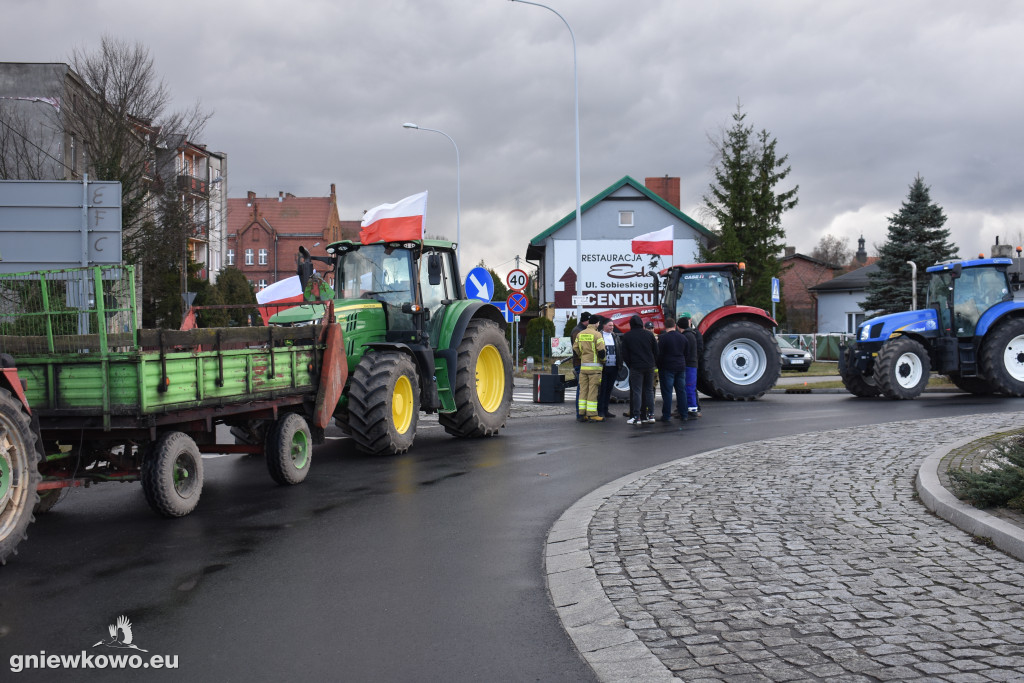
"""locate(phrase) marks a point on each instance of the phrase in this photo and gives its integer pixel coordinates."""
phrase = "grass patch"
(998, 481)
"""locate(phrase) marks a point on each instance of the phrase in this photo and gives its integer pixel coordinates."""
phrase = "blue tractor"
(971, 329)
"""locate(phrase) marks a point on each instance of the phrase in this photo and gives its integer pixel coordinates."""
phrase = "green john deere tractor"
(413, 342)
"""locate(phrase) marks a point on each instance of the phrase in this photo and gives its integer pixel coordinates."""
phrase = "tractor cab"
(408, 282)
(963, 291)
(698, 289)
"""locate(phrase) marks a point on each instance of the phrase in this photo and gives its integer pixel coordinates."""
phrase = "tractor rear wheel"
(19, 474)
(1002, 358)
(384, 403)
(901, 369)
(172, 475)
(289, 449)
(856, 382)
(483, 383)
(741, 361)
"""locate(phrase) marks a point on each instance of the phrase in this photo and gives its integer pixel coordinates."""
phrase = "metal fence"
(824, 347)
(76, 310)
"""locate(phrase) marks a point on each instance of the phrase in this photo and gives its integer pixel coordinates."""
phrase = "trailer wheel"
(19, 474)
(901, 369)
(857, 383)
(289, 449)
(482, 383)
(972, 385)
(741, 361)
(384, 403)
(172, 475)
(1002, 358)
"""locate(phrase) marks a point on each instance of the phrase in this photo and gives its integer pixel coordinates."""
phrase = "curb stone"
(1006, 536)
(610, 645)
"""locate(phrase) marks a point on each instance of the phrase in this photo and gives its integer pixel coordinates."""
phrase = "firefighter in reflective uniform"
(589, 345)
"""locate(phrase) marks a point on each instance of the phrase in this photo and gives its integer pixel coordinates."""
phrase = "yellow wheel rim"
(402, 404)
(490, 379)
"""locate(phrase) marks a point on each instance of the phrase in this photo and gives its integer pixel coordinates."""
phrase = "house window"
(263, 257)
(262, 285)
(852, 321)
(625, 219)
(231, 257)
(248, 257)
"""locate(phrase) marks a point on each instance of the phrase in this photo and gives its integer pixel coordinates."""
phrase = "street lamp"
(579, 211)
(458, 191)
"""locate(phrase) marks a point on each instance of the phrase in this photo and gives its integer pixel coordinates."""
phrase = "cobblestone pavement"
(800, 558)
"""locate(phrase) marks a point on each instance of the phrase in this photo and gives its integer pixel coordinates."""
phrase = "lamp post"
(458, 192)
(579, 212)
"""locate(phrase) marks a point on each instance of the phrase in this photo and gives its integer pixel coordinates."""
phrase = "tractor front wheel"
(856, 382)
(384, 403)
(1002, 358)
(483, 383)
(19, 474)
(901, 369)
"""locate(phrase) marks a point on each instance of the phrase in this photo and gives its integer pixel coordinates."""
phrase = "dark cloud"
(862, 96)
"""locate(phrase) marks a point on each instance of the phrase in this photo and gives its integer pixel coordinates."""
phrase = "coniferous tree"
(747, 208)
(916, 233)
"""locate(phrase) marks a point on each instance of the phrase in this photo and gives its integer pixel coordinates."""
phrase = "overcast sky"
(862, 96)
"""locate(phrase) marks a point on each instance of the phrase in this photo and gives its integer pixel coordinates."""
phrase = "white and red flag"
(402, 220)
(276, 296)
(657, 242)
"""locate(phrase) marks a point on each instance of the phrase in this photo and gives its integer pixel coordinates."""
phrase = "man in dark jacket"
(694, 351)
(672, 352)
(611, 368)
(639, 350)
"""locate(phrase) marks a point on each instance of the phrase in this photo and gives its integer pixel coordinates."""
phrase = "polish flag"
(402, 220)
(657, 242)
(275, 297)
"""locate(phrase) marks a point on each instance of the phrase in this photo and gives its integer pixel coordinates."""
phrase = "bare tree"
(121, 125)
(833, 250)
(30, 139)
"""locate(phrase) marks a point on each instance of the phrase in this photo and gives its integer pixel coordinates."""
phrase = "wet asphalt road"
(425, 567)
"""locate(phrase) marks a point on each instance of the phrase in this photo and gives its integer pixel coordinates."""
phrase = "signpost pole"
(83, 281)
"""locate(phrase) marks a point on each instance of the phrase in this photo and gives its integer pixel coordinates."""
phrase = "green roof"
(596, 199)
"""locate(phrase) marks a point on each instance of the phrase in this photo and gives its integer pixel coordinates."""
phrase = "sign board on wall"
(53, 224)
(613, 276)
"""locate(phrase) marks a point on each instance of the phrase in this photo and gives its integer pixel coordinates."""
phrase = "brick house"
(264, 234)
(798, 273)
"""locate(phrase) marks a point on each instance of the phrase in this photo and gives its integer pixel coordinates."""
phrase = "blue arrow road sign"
(479, 284)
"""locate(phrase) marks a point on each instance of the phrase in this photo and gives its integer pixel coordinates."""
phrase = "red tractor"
(741, 359)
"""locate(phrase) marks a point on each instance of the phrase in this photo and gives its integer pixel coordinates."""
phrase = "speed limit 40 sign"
(517, 280)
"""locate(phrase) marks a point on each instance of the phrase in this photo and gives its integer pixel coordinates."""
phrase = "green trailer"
(87, 396)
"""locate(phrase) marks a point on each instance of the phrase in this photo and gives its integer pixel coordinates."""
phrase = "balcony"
(193, 185)
(200, 231)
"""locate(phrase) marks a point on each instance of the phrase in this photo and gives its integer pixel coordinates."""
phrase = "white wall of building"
(837, 309)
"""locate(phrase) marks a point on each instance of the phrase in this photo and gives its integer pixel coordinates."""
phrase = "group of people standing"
(599, 351)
